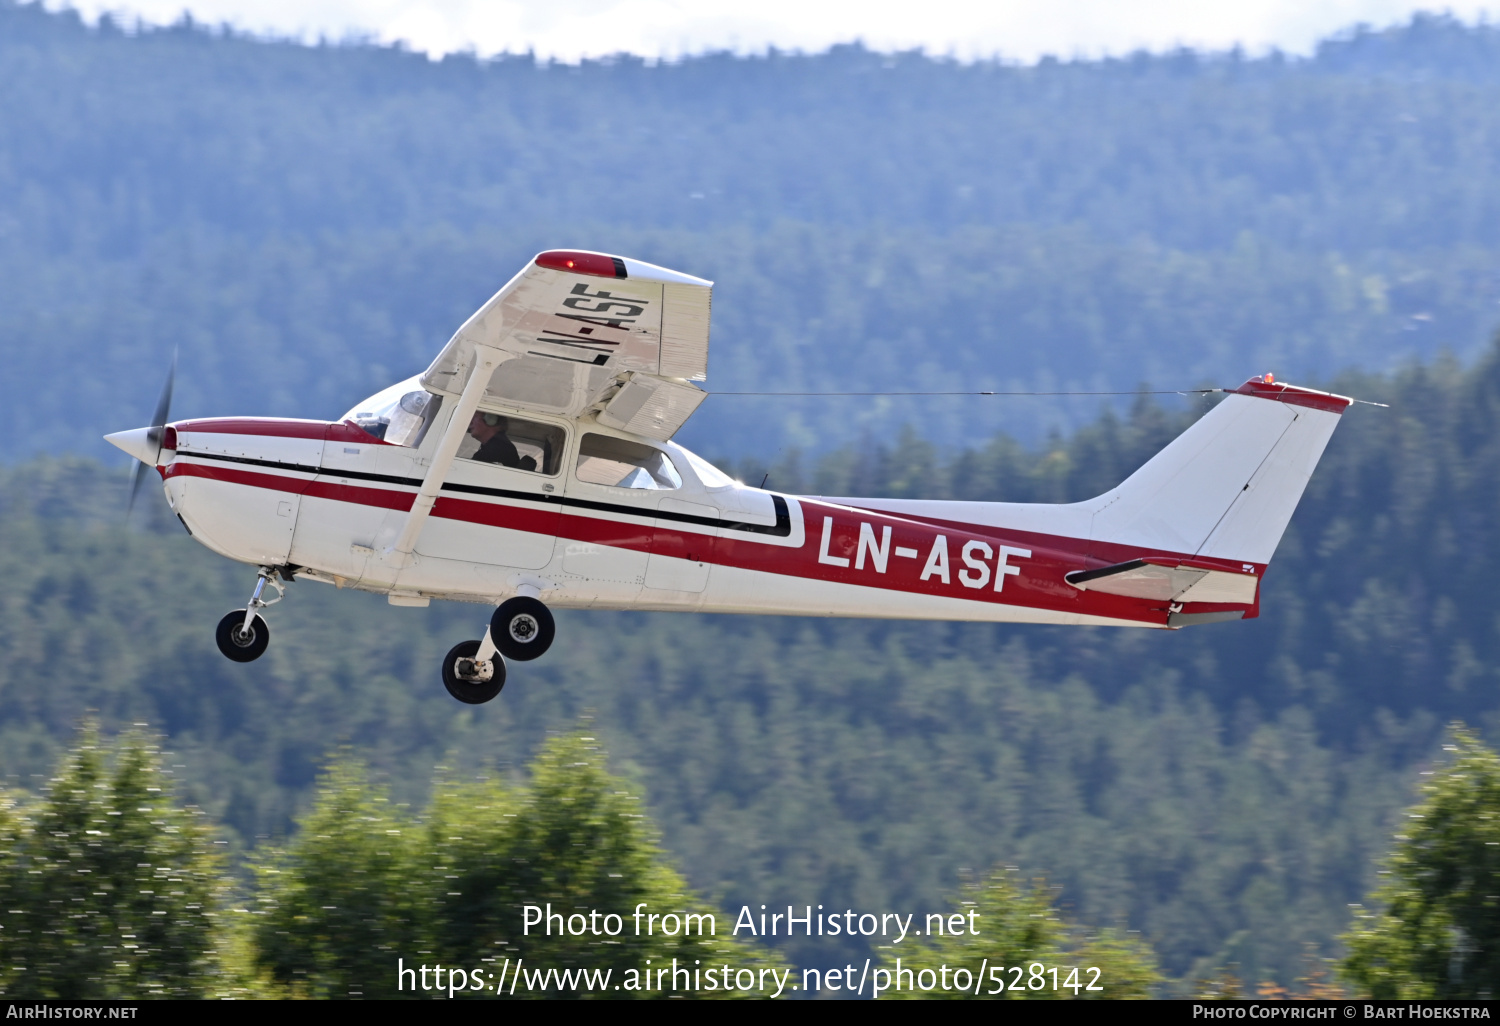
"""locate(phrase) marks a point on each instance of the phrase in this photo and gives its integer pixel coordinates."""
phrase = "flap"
(652, 406)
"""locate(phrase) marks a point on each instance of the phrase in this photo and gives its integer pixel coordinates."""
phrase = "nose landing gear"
(243, 634)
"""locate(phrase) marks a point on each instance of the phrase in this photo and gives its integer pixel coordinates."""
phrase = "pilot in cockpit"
(494, 447)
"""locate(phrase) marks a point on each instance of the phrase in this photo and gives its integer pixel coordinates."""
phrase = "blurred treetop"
(1435, 929)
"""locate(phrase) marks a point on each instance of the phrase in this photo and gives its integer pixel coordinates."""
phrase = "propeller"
(154, 434)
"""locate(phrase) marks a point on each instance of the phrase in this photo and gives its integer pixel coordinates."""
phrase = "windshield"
(398, 415)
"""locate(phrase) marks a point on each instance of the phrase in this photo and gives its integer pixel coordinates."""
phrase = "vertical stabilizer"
(1226, 487)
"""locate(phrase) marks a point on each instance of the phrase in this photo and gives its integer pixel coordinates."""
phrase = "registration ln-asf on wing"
(531, 466)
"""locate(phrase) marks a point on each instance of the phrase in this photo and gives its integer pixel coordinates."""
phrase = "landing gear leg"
(243, 633)
(473, 671)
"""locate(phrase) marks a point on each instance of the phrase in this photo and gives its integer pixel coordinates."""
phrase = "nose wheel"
(243, 634)
(240, 642)
(523, 628)
(473, 671)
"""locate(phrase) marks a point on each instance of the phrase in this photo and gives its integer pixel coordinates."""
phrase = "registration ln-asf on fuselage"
(531, 466)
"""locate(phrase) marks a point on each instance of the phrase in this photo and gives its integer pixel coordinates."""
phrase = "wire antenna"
(1146, 391)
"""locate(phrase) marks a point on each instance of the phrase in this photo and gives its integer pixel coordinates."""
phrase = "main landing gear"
(473, 671)
(243, 633)
(521, 629)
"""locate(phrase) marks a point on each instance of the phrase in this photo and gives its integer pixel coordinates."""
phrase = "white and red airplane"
(532, 465)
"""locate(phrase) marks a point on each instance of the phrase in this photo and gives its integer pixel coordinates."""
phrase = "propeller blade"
(154, 433)
(163, 405)
(135, 485)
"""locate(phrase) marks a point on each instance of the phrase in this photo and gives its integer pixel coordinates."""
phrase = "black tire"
(522, 628)
(471, 692)
(242, 648)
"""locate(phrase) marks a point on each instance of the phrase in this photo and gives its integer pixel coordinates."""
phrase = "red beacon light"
(1269, 379)
(599, 265)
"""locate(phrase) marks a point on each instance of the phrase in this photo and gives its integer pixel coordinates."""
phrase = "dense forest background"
(308, 223)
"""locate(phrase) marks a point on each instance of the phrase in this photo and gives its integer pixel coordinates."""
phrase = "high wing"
(576, 330)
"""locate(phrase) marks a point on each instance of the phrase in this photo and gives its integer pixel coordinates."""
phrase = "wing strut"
(485, 362)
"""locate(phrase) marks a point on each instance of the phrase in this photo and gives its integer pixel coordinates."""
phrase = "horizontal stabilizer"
(1168, 580)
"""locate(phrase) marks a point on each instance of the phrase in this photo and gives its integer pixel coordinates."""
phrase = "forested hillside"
(309, 223)
(1225, 789)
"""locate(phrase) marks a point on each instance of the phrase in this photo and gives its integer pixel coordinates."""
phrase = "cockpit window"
(511, 442)
(605, 460)
(399, 415)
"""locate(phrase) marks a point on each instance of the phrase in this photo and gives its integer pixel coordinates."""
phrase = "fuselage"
(326, 500)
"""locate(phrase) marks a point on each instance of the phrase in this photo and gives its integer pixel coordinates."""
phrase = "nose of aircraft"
(137, 442)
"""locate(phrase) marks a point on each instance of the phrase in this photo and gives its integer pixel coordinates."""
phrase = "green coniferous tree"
(1437, 931)
(340, 905)
(111, 889)
(575, 842)
(1004, 940)
(364, 885)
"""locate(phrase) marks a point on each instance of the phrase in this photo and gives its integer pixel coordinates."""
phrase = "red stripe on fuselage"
(1040, 583)
(1091, 554)
(494, 514)
(316, 488)
(265, 426)
(360, 495)
(234, 475)
(273, 427)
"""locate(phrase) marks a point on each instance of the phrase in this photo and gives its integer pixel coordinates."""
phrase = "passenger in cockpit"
(494, 446)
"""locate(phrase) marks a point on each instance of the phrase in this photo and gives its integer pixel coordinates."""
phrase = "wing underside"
(578, 331)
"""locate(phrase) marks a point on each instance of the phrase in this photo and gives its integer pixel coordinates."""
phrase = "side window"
(511, 442)
(604, 460)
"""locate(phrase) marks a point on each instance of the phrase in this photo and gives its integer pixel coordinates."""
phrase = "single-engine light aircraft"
(531, 466)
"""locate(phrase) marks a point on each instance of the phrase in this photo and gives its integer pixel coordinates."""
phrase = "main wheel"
(460, 681)
(522, 628)
(241, 645)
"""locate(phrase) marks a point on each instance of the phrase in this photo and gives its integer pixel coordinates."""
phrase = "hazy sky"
(1018, 29)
